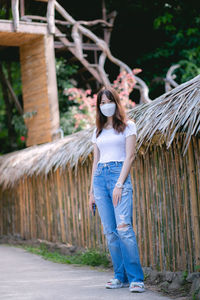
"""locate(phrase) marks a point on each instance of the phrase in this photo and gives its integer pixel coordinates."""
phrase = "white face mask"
(108, 109)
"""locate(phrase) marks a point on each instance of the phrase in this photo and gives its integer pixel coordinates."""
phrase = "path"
(27, 276)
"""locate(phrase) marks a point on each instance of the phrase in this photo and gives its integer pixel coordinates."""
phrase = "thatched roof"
(176, 112)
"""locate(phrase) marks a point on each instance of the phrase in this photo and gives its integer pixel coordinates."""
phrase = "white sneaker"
(114, 283)
(137, 287)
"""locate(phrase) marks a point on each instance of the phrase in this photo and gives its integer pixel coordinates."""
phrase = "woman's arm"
(96, 155)
(130, 156)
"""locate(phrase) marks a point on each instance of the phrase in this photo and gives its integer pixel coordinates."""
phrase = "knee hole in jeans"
(122, 227)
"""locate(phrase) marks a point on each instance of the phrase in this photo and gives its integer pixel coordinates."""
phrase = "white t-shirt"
(111, 144)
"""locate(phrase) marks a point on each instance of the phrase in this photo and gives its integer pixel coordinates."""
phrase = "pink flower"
(22, 138)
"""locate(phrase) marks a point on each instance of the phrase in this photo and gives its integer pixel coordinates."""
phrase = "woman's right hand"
(91, 201)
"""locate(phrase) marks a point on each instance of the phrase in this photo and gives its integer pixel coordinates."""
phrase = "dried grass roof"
(157, 122)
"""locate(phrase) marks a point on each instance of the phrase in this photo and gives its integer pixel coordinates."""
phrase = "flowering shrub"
(22, 138)
(85, 115)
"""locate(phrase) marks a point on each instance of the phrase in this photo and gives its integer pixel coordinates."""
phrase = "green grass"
(91, 257)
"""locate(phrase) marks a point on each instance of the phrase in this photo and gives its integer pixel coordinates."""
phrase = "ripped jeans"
(121, 240)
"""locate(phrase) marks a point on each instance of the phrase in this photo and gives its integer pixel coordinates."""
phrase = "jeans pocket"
(127, 186)
(125, 191)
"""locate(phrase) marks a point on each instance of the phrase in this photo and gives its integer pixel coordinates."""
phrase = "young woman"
(114, 141)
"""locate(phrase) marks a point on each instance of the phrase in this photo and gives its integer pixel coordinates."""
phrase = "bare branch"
(11, 91)
(91, 23)
(104, 47)
(102, 72)
(77, 41)
(169, 80)
(144, 90)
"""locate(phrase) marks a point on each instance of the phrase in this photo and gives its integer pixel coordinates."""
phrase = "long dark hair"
(119, 117)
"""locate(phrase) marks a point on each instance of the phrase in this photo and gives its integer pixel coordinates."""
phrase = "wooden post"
(15, 13)
(51, 16)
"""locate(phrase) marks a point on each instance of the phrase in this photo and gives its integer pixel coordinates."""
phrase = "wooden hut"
(44, 189)
(38, 74)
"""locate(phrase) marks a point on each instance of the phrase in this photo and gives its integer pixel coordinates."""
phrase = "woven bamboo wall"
(166, 208)
(39, 89)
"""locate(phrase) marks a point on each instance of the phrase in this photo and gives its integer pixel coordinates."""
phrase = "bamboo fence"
(166, 208)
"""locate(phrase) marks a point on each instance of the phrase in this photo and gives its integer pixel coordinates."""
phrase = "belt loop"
(116, 163)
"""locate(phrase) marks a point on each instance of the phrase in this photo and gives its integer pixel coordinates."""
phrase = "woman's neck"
(109, 121)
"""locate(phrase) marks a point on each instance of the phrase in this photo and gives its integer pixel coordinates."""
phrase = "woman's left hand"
(117, 192)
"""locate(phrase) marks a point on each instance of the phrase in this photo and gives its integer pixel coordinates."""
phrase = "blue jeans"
(121, 241)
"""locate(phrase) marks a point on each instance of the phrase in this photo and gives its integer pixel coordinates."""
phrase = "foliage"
(182, 43)
(91, 257)
(14, 142)
(64, 72)
(177, 25)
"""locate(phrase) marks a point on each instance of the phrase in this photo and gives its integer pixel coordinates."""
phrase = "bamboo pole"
(84, 206)
(76, 208)
(32, 209)
(53, 206)
(48, 219)
(178, 162)
(171, 221)
(157, 208)
(177, 242)
(87, 206)
(162, 209)
(17, 211)
(185, 208)
(153, 208)
(134, 196)
(148, 203)
(34, 205)
(144, 215)
(60, 204)
(69, 215)
(21, 210)
(64, 196)
(194, 204)
(165, 209)
(196, 147)
(81, 189)
(138, 209)
(26, 208)
(1, 211)
(72, 205)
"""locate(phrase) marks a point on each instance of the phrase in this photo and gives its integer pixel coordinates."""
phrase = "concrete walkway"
(24, 275)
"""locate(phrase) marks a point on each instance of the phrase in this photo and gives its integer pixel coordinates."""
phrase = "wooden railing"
(50, 14)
